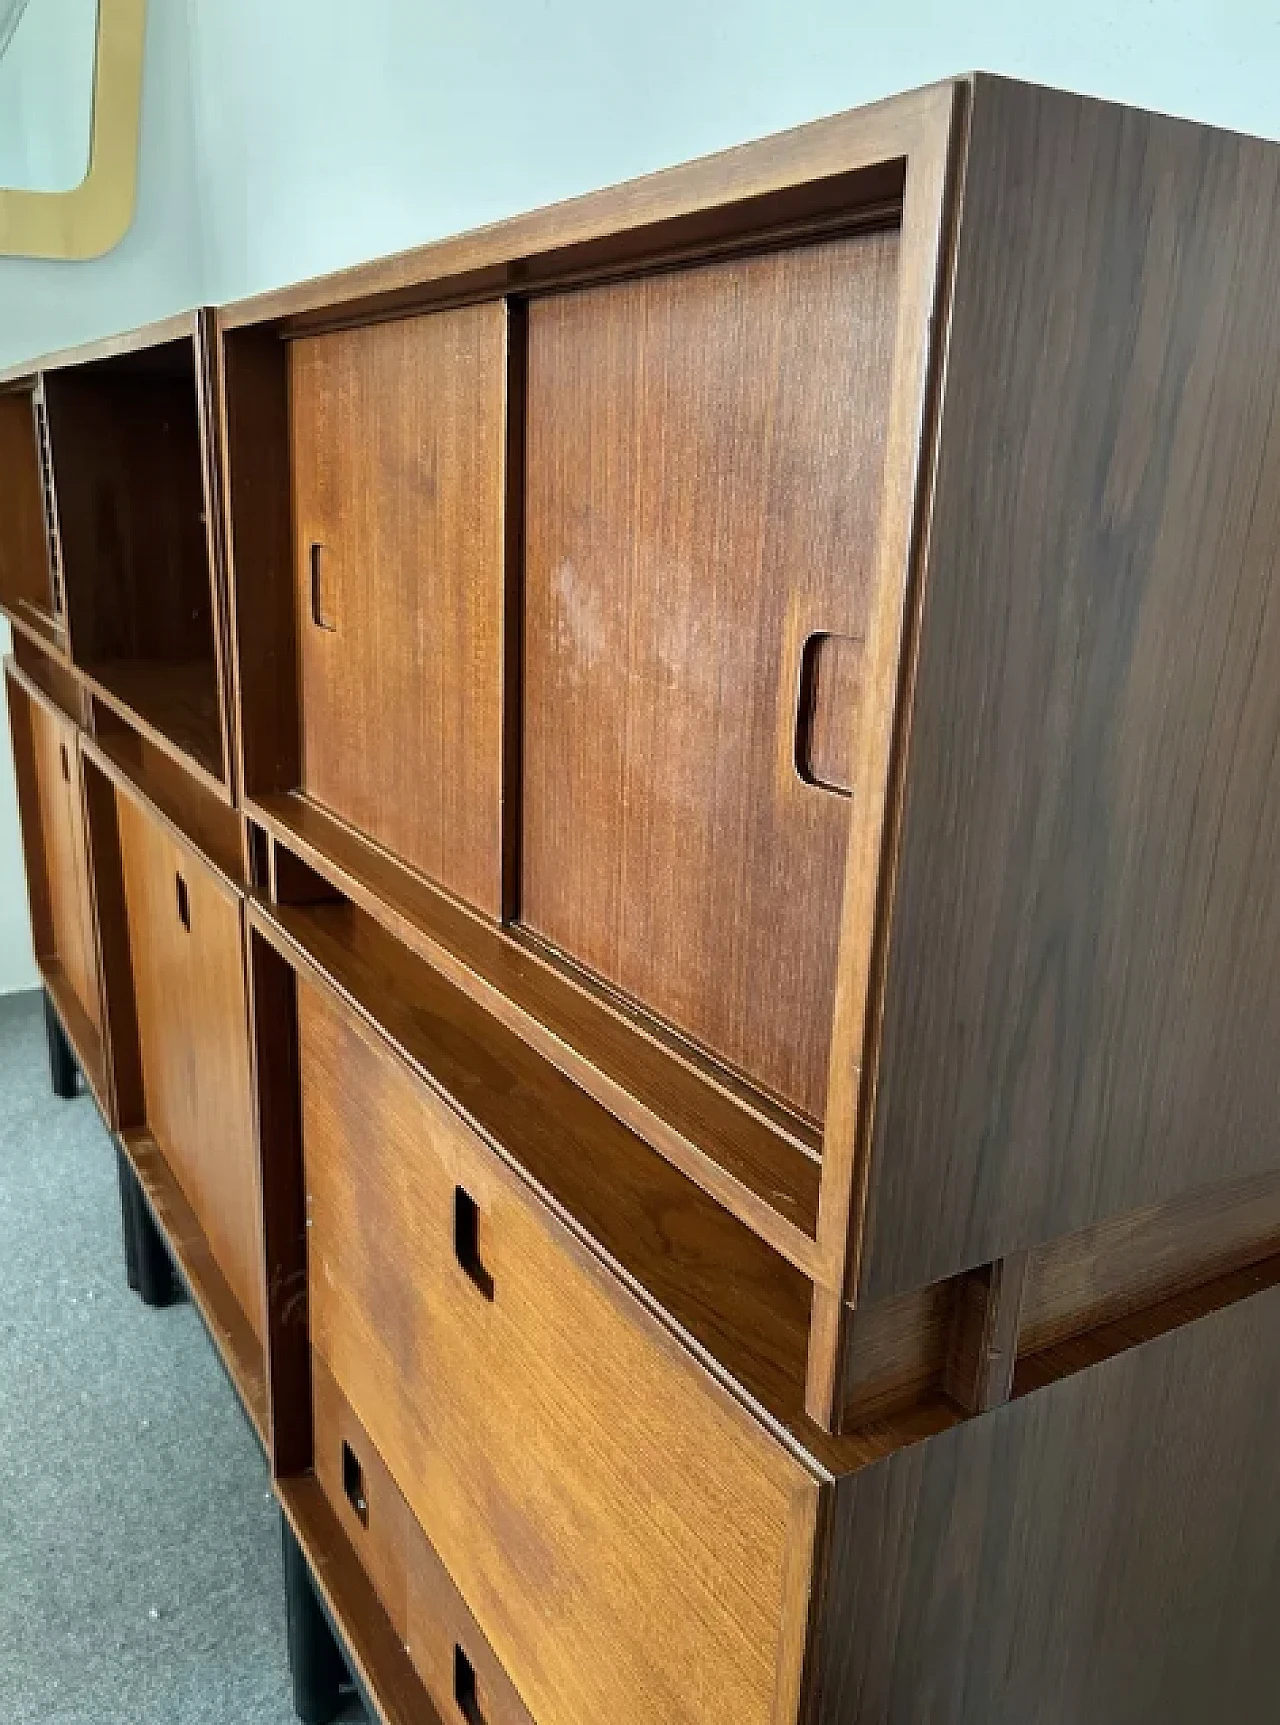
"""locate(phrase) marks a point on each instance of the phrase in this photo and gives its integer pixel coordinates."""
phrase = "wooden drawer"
(630, 1541)
(456, 1664)
(186, 943)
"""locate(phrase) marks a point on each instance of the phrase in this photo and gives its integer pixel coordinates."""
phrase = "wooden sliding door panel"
(398, 437)
(186, 943)
(705, 453)
(66, 865)
(632, 1545)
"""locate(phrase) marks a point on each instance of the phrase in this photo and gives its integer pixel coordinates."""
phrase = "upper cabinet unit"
(109, 538)
(779, 637)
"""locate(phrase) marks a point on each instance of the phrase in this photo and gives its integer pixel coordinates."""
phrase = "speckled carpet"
(139, 1546)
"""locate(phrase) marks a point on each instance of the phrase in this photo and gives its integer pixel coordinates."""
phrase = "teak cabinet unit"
(683, 825)
(784, 639)
(111, 537)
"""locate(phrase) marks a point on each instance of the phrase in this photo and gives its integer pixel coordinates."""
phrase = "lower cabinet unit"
(534, 1497)
(631, 1541)
(173, 952)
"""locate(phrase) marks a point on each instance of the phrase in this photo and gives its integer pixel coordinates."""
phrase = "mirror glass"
(46, 92)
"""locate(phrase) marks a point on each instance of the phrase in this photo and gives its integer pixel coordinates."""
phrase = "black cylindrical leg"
(128, 1218)
(319, 1674)
(62, 1062)
(146, 1255)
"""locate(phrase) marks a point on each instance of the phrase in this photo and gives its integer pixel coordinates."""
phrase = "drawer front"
(631, 1543)
(66, 863)
(186, 940)
(456, 1664)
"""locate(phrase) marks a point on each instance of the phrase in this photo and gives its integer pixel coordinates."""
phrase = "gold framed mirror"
(90, 59)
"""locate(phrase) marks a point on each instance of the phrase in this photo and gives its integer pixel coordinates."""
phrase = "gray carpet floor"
(139, 1545)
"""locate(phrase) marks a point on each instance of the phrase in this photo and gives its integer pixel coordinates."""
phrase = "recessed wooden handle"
(318, 614)
(184, 903)
(828, 687)
(353, 1484)
(464, 1688)
(466, 1240)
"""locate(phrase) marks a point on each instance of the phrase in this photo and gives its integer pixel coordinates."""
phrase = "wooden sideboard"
(657, 829)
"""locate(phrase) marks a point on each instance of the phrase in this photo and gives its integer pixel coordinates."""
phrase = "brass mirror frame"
(95, 215)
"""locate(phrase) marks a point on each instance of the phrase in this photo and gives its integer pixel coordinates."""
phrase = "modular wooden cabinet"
(135, 855)
(729, 871)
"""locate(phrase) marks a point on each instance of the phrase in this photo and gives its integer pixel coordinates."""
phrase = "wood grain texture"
(273, 1029)
(24, 556)
(65, 858)
(184, 800)
(49, 674)
(734, 1303)
(985, 1334)
(1129, 1262)
(413, 1585)
(619, 1567)
(1082, 998)
(191, 1026)
(129, 470)
(719, 1134)
(371, 1642)
(251, 432)
(80, 1031)
(1103, 1550)
(111, 915)
(136, 341)
(809, 176)
(398, 438)
(704, 459)
(731, 1299)
(235, 1338)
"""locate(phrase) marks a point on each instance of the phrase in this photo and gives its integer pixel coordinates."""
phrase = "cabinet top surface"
(181, 326)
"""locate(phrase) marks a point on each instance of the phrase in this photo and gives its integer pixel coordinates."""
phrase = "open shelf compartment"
(131, 492)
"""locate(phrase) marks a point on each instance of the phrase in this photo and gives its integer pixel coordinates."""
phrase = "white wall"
(331, 132)
(157, 269)
(286, 137)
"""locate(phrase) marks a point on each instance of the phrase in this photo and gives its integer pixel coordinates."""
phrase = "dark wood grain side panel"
(398, 447)
(1107, 1549)
(704, 464)
(24, 558)
(1082, 1004)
